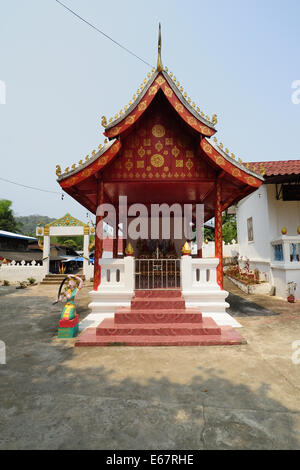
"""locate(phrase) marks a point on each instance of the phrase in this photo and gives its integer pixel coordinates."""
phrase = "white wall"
(269, 216)
(19, 273)
(282, 214)
(255, 206)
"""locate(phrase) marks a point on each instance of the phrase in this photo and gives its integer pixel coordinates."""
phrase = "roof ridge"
(142, 90)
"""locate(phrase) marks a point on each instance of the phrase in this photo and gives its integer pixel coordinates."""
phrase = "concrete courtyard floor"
(55, 396)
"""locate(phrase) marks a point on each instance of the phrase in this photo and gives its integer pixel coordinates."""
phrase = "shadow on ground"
(240, 307)
(55, 396)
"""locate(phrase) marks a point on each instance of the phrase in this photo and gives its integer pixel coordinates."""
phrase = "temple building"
(268, 223)
(160, 149)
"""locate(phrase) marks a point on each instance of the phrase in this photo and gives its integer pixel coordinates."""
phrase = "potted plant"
(291, 287)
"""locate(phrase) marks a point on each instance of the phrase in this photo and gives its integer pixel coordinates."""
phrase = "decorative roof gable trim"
(97, 163)
(230, 166)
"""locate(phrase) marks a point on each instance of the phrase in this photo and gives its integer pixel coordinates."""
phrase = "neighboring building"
(16, 247)
(268, 223)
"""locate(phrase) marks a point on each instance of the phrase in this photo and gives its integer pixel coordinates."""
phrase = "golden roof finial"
(159, 66)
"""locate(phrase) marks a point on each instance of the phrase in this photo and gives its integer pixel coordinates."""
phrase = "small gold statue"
(214, 119)
(104, 121)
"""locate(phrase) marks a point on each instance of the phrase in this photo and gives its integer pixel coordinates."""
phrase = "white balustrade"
(198, 273)
(117, 274)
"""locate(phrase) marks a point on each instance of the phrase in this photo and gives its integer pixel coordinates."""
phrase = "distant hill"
(29, 222)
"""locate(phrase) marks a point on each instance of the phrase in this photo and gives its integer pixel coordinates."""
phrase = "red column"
(218, 234)
(116, 234)
(98, 239)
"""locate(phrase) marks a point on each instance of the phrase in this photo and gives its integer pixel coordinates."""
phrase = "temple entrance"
(61, 259)
(157, 274)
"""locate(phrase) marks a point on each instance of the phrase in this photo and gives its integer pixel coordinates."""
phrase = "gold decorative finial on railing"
(159, 66)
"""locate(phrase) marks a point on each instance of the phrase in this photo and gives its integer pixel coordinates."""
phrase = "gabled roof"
(160, 81)
(66, 221)
(229, 165)
(91, 166)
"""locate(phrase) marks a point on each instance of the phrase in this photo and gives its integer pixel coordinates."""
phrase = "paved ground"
(53, 396)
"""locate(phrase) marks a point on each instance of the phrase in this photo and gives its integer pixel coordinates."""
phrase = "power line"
(29, 187)
(101, 32)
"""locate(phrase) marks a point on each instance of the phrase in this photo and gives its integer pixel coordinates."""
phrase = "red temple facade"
(160, 150)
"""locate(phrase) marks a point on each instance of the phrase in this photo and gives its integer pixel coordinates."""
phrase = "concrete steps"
(158, 318)
(57, 278)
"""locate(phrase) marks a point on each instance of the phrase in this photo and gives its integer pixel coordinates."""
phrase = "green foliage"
(209, 234)
(6, 283)
(8, 221)
(29, 223)
(229, 228)
(31, 280)
(72, 242)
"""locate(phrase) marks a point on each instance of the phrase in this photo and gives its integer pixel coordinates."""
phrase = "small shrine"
(160, 149)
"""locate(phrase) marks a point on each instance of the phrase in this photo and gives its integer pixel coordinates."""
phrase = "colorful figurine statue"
(68, 323)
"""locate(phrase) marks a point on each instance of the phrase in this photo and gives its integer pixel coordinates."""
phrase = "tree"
(229, 228)
(70, 243)
(7, 218)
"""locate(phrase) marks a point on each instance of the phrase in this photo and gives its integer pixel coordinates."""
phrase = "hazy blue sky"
(235, 58)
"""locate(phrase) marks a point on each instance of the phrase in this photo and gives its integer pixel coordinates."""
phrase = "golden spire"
(159, 66)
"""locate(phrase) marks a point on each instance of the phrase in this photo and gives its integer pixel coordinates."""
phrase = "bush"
(31, 280)
(6, 283)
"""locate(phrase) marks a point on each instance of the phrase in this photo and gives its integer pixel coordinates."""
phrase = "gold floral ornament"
(168, 91)
(103, 121)
(58, 170)
(142, 106)
(186, 249)
(179, 108)
(153, 90)
(175, 152)
(129, 250)
(141, 152)
(157, 160)
(130, 120)
(159, 146)
(158, 130)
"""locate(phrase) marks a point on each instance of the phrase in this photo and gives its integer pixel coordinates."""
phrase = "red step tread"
(157, 303)
(158, 293)
(228, 337)
(109, 327)
(125, 315)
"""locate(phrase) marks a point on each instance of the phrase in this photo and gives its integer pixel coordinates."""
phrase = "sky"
(235, 58)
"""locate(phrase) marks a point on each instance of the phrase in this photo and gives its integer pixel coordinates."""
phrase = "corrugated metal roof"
(4, 233)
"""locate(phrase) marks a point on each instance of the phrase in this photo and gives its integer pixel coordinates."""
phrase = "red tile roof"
(280, 167)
